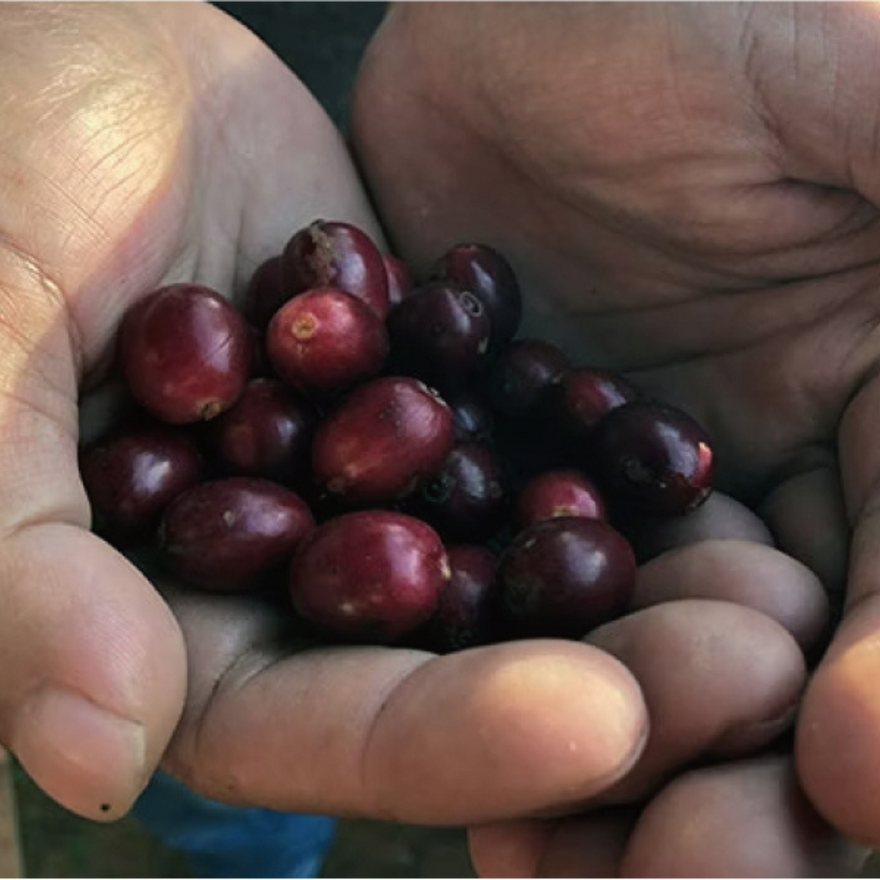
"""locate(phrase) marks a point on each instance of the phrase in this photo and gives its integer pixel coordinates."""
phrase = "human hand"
(688, 193)
(146, 144)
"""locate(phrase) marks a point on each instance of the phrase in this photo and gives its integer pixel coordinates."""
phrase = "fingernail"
(85, 757)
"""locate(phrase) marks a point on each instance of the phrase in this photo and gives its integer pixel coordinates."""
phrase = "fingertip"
(838, 732)
(92, 669)
(742, 819)
(90, 760)
(508, 849)
(518, 728)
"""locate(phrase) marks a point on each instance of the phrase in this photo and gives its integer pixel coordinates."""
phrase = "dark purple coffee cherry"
(471, 415)
(465, 615)
(400, 282)
(267, 433)
(223, 535)
(265, 293)
(382, 442)
(577, 404)
(131, 476)
(522, 375)
(558, 493)
(439, 334)
(467, 498)
(487, 275)
(563, 577)
(652, 458)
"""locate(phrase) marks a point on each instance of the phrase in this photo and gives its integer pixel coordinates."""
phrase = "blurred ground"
(55, 843)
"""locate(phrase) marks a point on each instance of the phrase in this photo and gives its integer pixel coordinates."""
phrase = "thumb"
(92, 665)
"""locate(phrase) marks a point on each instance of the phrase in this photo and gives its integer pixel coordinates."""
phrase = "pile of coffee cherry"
(388, 456)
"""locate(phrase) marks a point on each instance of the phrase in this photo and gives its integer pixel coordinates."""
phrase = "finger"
(808, 519)
(838, 734)
(509, 849)
(583, 846)
(742, 572)
(719, 517)
(716, 677)
(744, 819)
(474, 736)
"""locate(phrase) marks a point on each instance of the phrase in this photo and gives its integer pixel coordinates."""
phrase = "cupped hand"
(690, 194)
(147, 144)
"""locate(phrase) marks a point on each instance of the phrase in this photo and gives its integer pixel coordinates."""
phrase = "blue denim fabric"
(225, 841)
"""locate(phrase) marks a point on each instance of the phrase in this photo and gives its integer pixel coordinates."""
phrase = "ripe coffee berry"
(653, 458)
(484, 272)
(400, 282)
(563, 577)
(385, 439)
(558, 493)
(267, 433)
(440, 334)
(325, 341)
(224, 534)
(185, 353)
(338, 255)
(371, 575)
(131, 476)
(466, 499)
(465, 615)
(523, 374)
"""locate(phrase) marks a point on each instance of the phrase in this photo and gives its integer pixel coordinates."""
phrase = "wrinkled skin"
(158, 142)
(689, 193)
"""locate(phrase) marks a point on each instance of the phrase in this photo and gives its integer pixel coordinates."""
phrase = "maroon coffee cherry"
(652, 458)
(267, 433)
(382, 441)
(488, 276)
(577, 404)
(400, 282)
(466, 499)
(522, 375)
(130, 477)
(439, 334)
(563, 577)
(265, 293)
(371, 575)
(339, 255)
(184, 352)
(325, 341)
(224, 535)
(471, 416)
(558, 493)
(465, 615)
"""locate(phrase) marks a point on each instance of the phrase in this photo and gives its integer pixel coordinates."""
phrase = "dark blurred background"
(322, 43)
